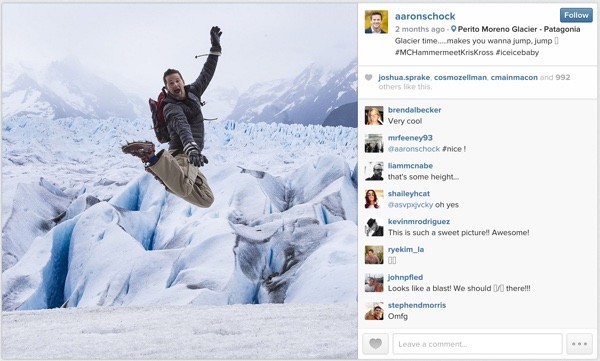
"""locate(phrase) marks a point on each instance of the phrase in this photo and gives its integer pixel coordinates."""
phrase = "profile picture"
(374, 282)
(374, 143)
(372, 229)
(374, 311)
(373, 197)
(376, 22)
(374, 115)
(373, 254)
(374, 170)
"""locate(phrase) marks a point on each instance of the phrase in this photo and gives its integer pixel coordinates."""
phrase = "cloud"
(132, 44)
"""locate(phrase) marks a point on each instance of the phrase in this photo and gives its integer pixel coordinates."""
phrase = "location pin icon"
(453, 28)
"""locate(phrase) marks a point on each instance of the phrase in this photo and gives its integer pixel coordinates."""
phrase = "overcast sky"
(132, 44)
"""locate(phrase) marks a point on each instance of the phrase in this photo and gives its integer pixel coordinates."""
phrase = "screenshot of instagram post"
(299, 180)
(178, 181)
(478, 173)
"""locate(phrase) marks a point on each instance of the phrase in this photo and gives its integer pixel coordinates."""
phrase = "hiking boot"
(143, 150)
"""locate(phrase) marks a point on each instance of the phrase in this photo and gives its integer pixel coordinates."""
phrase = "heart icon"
(368, 76)
(375, 343)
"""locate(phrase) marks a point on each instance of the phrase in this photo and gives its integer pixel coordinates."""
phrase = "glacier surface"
(85, 226)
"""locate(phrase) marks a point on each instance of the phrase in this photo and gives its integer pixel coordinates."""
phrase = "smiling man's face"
(376, 21)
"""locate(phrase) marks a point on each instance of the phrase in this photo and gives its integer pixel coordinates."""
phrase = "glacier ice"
(282, 228)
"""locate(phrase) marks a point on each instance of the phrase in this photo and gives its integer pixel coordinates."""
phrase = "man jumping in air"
(178, 168)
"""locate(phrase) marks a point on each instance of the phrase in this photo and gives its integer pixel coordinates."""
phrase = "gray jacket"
(184, 117)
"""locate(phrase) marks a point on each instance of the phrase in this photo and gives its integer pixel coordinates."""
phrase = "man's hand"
(215, 36)
(215, 39)
(191, 150)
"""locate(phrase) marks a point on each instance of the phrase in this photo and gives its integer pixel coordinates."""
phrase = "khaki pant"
(183, 179)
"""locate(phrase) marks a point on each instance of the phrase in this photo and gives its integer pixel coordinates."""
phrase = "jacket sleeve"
(178, 122)
(206, 75)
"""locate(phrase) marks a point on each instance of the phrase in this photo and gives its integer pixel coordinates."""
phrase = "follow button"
(576, 15)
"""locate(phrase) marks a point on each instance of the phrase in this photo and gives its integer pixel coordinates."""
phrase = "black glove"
(191, 150)
(215, 39)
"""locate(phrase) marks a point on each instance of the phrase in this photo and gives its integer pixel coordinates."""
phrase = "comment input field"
(483, 343)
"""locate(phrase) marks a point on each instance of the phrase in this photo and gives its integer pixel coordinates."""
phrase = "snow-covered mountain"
(219, 101)
(86, 226)
(66, 89)
(345, 115)
(306, 99)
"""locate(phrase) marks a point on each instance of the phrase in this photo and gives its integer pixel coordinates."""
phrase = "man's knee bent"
(202, 192)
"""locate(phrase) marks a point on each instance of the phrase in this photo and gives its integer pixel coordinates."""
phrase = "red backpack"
(158, 118)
